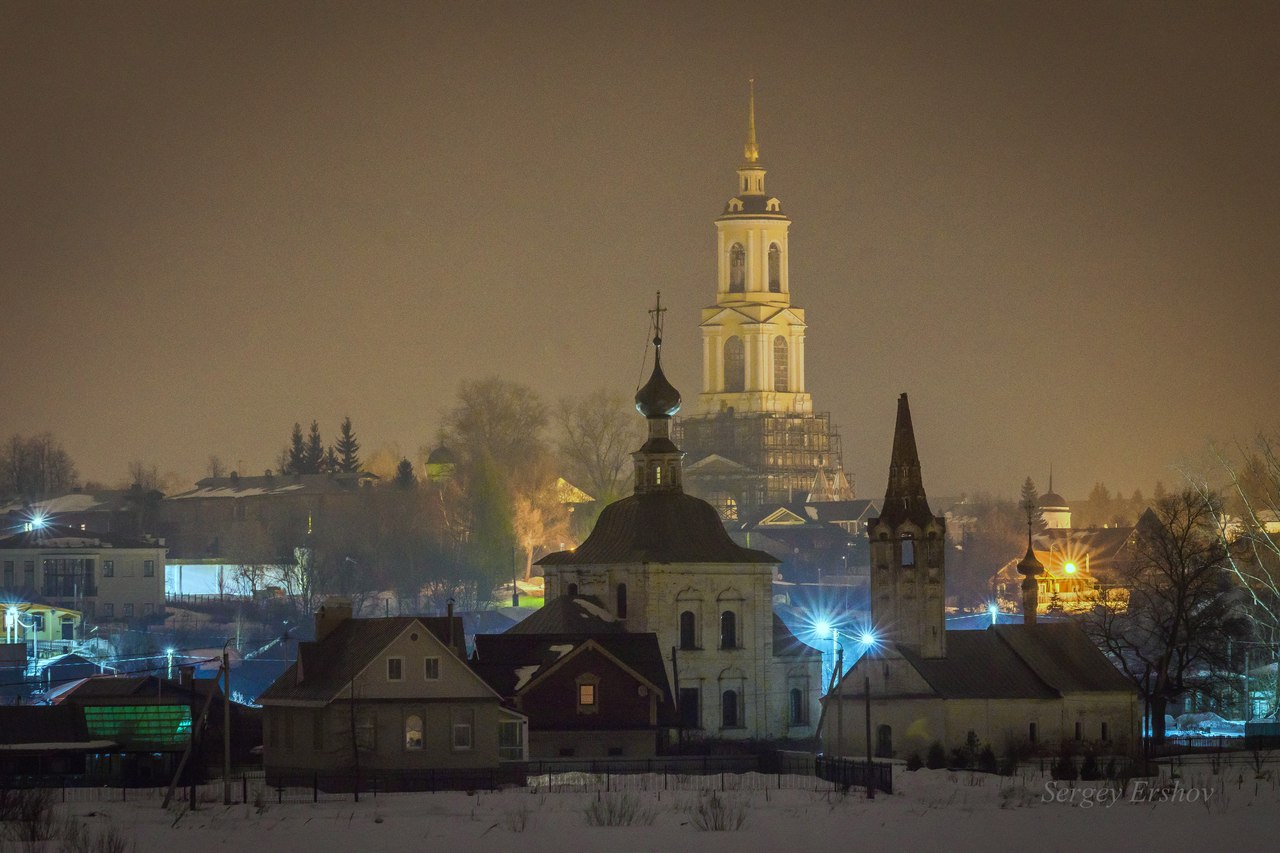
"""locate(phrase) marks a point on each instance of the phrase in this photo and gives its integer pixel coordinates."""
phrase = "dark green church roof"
(658, 527)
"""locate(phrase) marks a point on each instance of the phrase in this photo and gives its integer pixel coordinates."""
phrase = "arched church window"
(908, 550)
(884, 742)
(737, 268)
(799, 713)
(735, 365)
(729, 709)
(775, 269)
(728, 630)
(780, 367)
(688, 630)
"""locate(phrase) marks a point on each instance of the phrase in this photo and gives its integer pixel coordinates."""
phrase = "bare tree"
(35, 467)
(598, 433)
(503, 419)
(144, 476)
(1169, 622)
(215, 467)
(1251, 526)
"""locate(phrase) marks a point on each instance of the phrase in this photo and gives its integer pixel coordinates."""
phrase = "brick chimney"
(331, 614)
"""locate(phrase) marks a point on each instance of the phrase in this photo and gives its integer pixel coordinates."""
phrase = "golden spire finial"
(751, 151)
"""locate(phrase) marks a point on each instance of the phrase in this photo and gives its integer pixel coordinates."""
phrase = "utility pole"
(871, 788)
(839, 702)
(226, 726)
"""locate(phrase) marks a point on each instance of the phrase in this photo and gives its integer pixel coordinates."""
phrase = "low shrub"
(936, 757)
(715, 813)
(619, 810)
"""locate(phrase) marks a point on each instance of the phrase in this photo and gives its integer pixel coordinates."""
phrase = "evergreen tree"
(404, 475)
(348, 448)
(313, 458)
(297, 459)
(1030, 503)
(332, 464)
(491, 549)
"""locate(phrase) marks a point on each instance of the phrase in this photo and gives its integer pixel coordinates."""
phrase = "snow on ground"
(960, 811)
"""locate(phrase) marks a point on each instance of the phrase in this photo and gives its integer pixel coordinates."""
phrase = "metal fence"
(855, 773)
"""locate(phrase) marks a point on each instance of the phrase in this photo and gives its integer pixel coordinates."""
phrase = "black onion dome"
(1029, 565)
(658, 398)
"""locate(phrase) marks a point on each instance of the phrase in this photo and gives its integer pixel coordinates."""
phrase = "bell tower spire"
(907, 556)
(751, 152)
(753, 337)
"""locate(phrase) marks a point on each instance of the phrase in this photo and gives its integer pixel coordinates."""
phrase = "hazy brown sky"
(1056, 225)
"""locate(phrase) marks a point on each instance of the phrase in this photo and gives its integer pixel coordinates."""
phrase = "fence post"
(315, 787)
(244, 788)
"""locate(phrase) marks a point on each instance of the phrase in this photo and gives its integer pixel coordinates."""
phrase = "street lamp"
(867, 638)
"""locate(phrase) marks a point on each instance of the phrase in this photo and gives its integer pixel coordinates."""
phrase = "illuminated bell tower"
(753, 337)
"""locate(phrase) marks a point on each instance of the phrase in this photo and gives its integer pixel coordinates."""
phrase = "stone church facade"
(660, 561)
(1029, 685)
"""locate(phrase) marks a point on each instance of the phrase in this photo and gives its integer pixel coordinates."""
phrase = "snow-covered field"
(1187, 808)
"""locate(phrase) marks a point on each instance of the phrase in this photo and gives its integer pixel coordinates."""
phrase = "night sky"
(1055, 225)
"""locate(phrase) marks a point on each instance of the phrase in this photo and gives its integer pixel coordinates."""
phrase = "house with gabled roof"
(391, 698)
(586, 695)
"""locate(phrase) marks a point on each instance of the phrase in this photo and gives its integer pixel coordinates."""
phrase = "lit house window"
(395, 669)
(588, 688)
(431, 669)
(413, 732)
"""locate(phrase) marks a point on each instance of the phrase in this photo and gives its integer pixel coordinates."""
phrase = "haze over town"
(1053, 225)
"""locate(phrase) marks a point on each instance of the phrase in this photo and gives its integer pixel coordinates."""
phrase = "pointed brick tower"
(907, 579)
